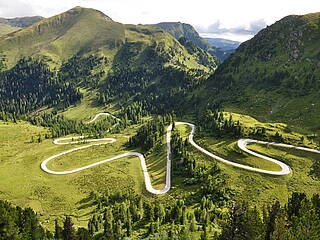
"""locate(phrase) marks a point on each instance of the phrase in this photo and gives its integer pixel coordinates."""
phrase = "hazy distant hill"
(178, 30)
(14, 24)
(20, 22)
(224, 44)
(276, 74)
(5, 29)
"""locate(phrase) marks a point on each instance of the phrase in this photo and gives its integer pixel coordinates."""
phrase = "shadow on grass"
(86, 202)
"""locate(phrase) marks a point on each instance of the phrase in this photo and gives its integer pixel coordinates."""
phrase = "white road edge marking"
(242, 143)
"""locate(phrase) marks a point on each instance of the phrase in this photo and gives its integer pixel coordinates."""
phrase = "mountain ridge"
(120, 62)
(178, 30)
(20, 22)
(224, 44)
(274, 73)
(9, 25)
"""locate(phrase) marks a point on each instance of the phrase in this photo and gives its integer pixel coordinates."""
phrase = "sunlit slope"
(275, 75)
(83, 31)
(5, 29)
(76, 31)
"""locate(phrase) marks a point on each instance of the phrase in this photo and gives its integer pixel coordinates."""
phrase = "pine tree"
(57, 230)
(68, 230)
(204, 234)
(193, 222)
(173, 125)
(83, 234)
(273, 212)
(118, 230)
(129, 227)
(151, 228)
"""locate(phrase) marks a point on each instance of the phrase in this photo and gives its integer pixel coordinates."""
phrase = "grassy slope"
(291, 45)
(260, 189)
(86, 109)
(24, 183)
(302, 113)
(79, 30)
(4, 29)
(145, 36)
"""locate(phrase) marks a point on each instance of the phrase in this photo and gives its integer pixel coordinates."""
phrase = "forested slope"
(184, 30)
(275, 75)
(84, 48)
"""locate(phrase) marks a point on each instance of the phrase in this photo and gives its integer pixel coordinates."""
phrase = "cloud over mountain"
(240, 33)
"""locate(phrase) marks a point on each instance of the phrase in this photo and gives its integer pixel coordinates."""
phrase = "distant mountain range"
(178, 30)
(13, 24)
(88, 49)
(224, 44)
(20, 22)
(221, 48)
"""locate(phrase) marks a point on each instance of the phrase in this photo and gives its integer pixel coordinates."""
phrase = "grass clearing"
(157, 165)
(23, 183)
(255, 188)
(86, 109)
(227, 148)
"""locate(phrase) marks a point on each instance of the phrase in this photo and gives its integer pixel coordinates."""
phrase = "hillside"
(62, 36)
(225, 44)
(9, 25)
(275, 75)
(187, 31)
(116, 131)
(5, 29)
(123, 63)
(179, 30)
(20, 22)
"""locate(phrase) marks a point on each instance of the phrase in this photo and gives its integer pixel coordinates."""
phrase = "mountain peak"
(64, 35)
(80, 10)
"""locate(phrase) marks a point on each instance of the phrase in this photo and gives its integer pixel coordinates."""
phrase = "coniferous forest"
(120, 214)
(31, 85)
(118, 87)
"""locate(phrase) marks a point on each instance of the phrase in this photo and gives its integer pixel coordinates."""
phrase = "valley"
(148, 131)
(127, 173)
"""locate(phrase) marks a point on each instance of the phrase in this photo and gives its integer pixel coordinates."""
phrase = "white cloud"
(235, 14)
(15, 8)
(228, 35)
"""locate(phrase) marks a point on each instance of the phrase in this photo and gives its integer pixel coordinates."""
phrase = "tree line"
(299, 219)
(215, 123)
(61, 126)
(122, 215)
(18, 223)
(30, 85)
(150, 133)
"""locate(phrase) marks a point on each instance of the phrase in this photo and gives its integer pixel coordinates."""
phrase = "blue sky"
(234, 19)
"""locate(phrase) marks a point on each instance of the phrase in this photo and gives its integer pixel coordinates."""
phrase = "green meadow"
(24, 183)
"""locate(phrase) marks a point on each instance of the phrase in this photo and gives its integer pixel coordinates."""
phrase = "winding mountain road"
(242, 143)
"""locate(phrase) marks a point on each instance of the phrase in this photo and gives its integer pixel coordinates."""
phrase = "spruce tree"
(68, 230)
(57, 230)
